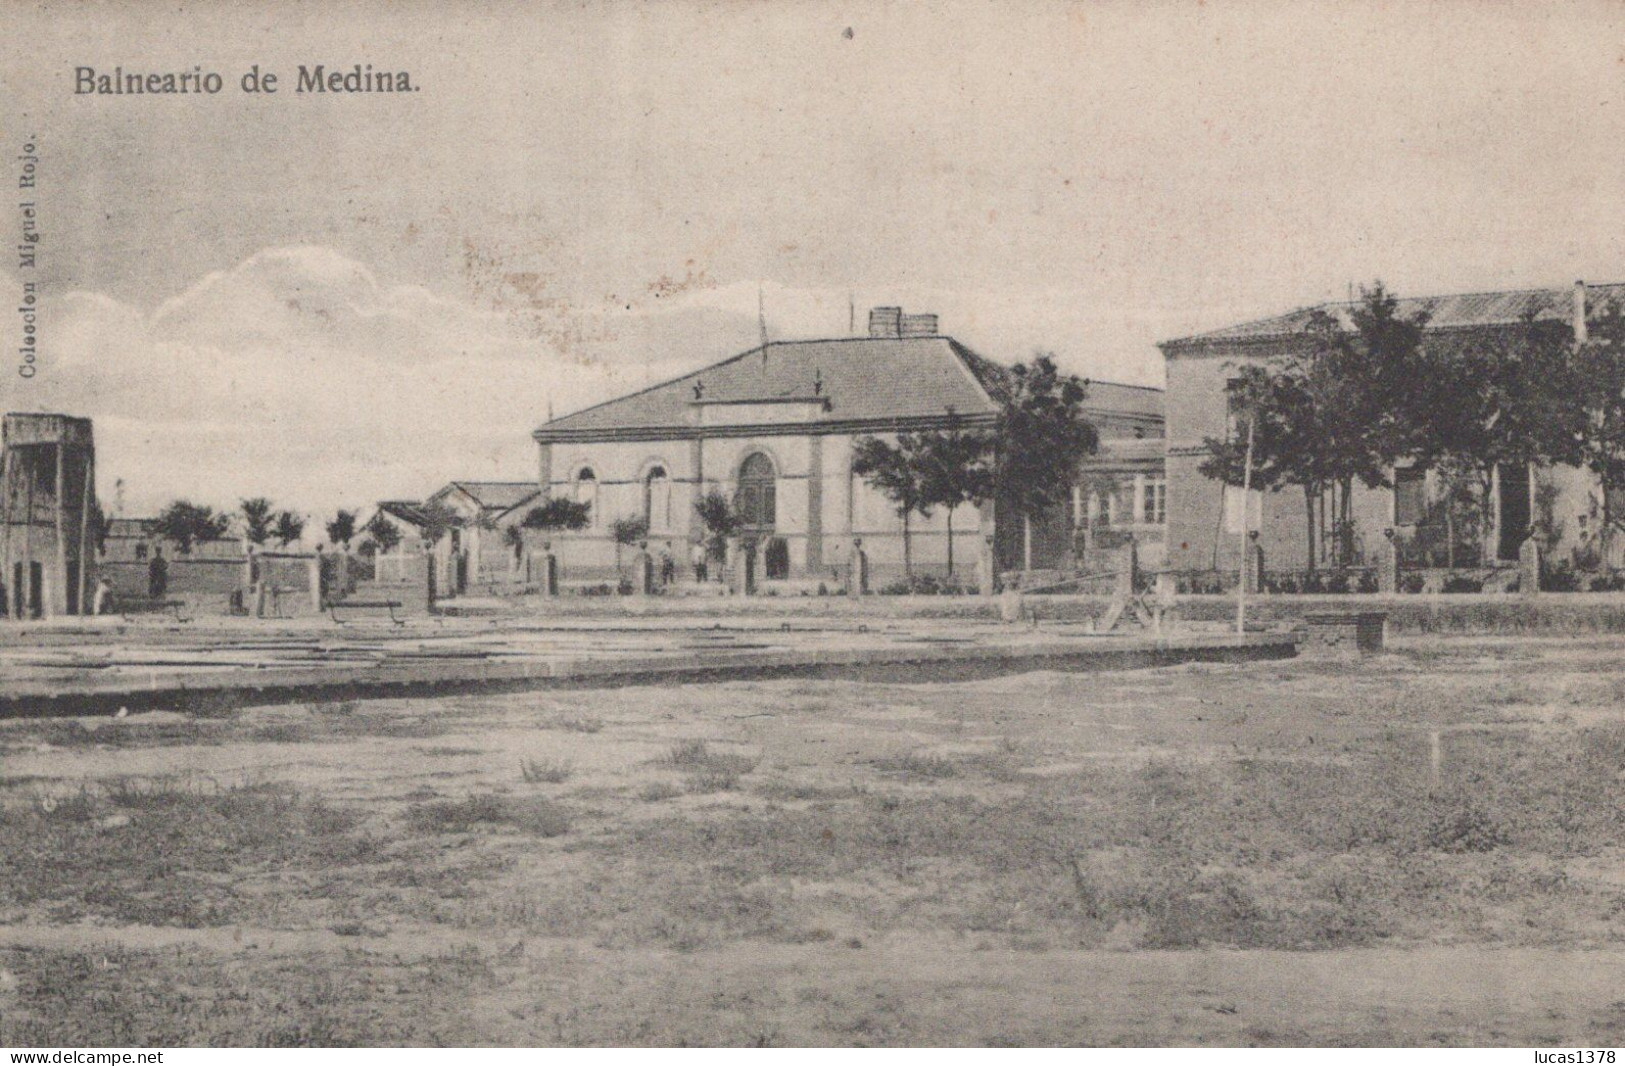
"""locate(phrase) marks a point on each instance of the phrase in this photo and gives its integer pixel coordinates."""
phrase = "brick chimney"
(886, 322)
(1579, 312)
(919, 325)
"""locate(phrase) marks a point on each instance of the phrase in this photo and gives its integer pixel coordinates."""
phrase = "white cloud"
(298, 375)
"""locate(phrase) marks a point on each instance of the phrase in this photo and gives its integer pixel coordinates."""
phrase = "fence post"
(1255, 564)
(1388, 563)
(315, 574)
(1529, 567)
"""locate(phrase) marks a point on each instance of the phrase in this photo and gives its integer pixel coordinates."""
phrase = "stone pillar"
(986, 573)
(1255, 564)
(550, 570)
(1529, 567)
(857, 569)
(315, 574)
(1388, 563)
(738, 567)
(643, 571)
(1167, 599)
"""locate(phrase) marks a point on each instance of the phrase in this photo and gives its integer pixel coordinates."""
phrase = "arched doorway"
(756, 503)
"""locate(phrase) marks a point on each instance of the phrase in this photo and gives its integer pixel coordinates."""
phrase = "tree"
(341, 530)
(1040, 438)
(954, 467)
(289, 528)
(558, 513)
(258, 519)
(1502, 398)
(721, 521)
(435, 521)
(1275, 410)
(384, 533)
(185, 523)
(627, 531)
(895, 471)
(1600, 377)
(1360, 383)
(1342, 411)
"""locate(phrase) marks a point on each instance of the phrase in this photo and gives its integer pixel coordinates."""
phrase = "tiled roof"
(497, 495)
(1109, 396)
(863, 377)
(1444, 312)
(409, 511)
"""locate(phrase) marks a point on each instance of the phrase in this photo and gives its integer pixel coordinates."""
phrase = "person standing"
(157, 574)
(700, 560)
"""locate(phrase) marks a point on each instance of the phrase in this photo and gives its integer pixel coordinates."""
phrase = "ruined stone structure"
(47, 515)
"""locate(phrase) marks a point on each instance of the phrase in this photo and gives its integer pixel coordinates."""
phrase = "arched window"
(657, 498)
(586, 491)
(757, 499)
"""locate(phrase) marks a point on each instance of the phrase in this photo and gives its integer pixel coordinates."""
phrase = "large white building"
(773, 428)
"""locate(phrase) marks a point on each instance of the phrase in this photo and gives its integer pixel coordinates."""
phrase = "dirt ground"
(1426, 848)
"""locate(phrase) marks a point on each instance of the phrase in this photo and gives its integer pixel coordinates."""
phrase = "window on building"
(1154, 501)
(586, 491)
(1410, 496)
(657, 499)
(757, 498)
(1105, 501)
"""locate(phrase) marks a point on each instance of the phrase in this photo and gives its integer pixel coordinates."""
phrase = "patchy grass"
(1284, 806)
(706, 770)
(918, 765)
(575, 723)
(487, 811)
(546, 771)
(164, 851)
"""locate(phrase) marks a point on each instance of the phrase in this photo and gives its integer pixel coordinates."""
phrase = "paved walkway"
(96, 668)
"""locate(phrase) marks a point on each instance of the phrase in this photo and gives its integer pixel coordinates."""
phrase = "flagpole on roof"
(761, 320)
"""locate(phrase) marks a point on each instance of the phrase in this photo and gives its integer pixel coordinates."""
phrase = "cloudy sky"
(333, 299)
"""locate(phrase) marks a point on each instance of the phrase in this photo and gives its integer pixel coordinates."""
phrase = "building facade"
(1206, 519)
(774, 430)
(47, 515)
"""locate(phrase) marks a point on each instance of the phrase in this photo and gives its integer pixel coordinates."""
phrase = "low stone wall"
(205, 585)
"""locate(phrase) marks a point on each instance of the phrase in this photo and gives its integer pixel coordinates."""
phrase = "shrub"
(578, 724)
(706, 770)
(1610, 582)
(486, 810)
(1560, 578)
(1412, 583)
(545, 771)
(1463, 583)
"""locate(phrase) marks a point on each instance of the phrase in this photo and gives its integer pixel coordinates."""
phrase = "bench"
(391, 605)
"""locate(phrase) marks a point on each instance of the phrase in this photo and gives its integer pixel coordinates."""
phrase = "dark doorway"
(777, 562)
(73, 586)
(749, 550)
(1514, 516)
